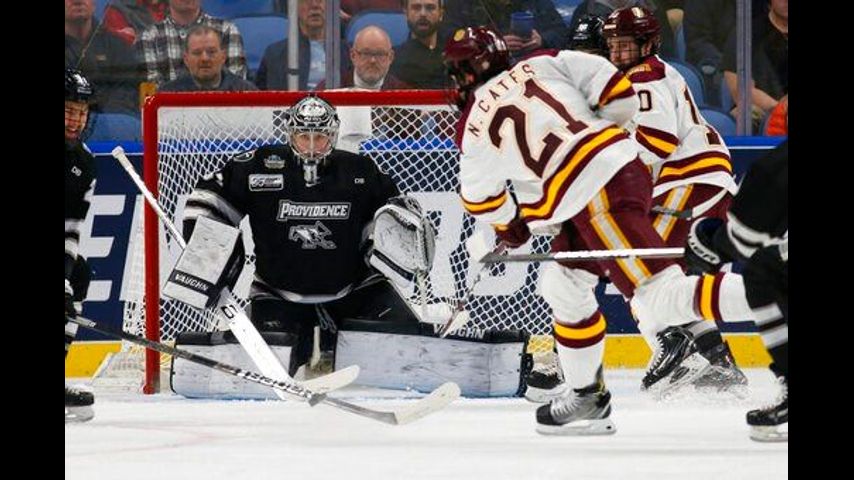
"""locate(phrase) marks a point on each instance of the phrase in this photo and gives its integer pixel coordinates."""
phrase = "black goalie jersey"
(79, 188)
(308, 240)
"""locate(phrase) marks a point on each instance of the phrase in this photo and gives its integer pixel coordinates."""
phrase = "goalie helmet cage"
(408, 133)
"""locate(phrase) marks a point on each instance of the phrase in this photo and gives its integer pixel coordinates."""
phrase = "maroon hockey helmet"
(473, 55)
(636, 22)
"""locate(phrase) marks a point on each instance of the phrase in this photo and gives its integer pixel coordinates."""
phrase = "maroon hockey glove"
(514, 234)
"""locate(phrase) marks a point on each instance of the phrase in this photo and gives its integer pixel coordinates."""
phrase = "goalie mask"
(312, 129)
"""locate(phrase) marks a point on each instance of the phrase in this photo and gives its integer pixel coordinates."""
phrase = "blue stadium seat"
(392, 21)
(720, 119)
(692, 78)
(679, 36)
(258, 32)
(115, 127)
(238, 8)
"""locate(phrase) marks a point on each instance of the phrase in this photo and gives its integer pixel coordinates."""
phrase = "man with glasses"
(418, 61)
(371, 55)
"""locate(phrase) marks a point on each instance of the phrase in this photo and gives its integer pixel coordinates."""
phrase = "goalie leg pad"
(192, 380)
(412, 356)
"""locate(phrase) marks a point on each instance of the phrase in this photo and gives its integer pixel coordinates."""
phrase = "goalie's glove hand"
(514, 234)
(70, 311)
(701, 256)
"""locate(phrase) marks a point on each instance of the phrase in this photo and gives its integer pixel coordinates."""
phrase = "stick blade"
(333, 381)
(438, 399)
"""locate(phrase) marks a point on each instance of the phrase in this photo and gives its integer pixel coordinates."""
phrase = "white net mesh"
(413, 143)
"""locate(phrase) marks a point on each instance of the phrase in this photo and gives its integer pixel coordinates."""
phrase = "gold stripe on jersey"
(568, 332)
(681, 168)
(488, 205)
(659, 142)
(676, 200)
(618, 87)
(557, 185)
(706, 297)
(614, 238)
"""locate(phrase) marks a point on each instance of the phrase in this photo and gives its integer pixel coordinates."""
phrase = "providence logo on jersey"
(289, 210)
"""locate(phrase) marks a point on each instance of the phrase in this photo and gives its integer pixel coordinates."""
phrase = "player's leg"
(662, 295)
(271, 313)
(708, 201)
(78, 402)
(766, 281)
(579, 332)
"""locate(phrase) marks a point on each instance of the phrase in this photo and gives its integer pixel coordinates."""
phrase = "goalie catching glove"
(404, 241)
(212, 261)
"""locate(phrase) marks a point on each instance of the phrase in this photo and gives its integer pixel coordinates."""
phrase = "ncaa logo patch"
(274, 162)
(259, 182)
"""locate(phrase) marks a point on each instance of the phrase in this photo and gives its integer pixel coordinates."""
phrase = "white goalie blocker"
(404, 242)
(213, 259)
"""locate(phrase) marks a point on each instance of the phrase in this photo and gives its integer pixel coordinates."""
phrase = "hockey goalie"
(335, 244)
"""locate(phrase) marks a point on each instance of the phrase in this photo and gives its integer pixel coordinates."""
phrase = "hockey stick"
(587, 255)
(292, 389)
(435, 401)
(692, 212)
(460, 317)
(227, 305)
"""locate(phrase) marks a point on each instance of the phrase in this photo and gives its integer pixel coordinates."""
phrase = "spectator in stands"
(549, 30)
(707, 26)
(770, 61)
(667, 12)
(418, 61)
(371, 55)
(161, 46)
(272, 73)
(205, 58)
(349, 8)
(778, 120)
(103, 58)
(126, 19)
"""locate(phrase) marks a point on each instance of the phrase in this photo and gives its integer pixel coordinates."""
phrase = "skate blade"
(78, 414)
(601, 426)
(685, 374)
(777, 433)
(541, 395)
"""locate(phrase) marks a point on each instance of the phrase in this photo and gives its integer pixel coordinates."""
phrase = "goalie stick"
(227, 305)
(586, 255)
(460, 317)
(435, 401)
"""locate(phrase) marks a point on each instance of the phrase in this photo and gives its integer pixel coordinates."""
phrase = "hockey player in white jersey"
(692, 174)
(543, 147)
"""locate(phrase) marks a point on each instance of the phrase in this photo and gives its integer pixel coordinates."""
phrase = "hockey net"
(409, 134)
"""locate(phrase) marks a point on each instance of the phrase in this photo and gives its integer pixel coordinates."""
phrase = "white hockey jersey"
(551, 125)
(673, 136)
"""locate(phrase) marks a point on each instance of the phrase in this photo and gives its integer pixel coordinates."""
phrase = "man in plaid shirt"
(161, 45)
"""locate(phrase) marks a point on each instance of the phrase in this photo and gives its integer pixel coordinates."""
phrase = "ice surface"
(168, 437)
